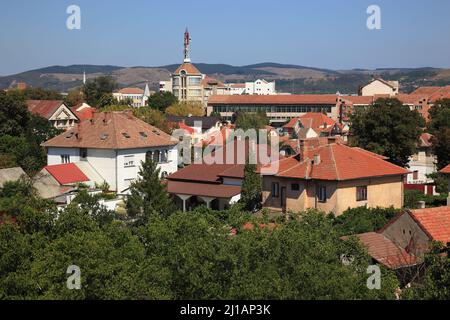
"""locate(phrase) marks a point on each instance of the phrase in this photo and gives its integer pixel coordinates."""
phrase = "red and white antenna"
(187, 42)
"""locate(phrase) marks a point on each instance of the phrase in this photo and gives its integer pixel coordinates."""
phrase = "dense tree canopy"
(388, 128)
(98, 92)
(185, 109)
(162, 100)
(251, 120)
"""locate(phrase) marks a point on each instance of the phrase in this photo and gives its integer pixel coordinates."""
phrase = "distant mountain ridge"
(290, 78)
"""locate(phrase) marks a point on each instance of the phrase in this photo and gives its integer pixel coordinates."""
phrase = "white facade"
(119, 168)
(421, 164)
(260, 87)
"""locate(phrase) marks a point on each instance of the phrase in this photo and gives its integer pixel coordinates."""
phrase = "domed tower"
(187, 79)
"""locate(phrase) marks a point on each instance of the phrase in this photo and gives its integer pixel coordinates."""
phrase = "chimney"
(421, 204)
(316, 159)
(332, 140)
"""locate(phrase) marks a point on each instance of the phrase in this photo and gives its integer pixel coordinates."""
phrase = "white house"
(423, 162)
(260, 87)
(380, 87)
(138, 96)
(55, 111)
(114, 144)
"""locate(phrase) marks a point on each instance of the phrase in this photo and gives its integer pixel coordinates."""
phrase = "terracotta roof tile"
(66, 173)
(435, 222)
(44, 108)
(385, 251)
(112, 130)
(189, 68)
(446, 170)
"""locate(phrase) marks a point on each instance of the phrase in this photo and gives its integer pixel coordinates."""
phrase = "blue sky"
(318, 33)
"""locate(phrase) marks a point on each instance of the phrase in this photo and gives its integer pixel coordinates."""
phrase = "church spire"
(84, 77)
(187, 41)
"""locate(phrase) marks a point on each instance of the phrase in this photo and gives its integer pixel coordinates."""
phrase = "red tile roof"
(385, 251)
(44, 108)
(435, 222)
(189, 68)
(66, 173)
(112, 130)
(425, 140)
(204, 172)
(85, 113)
(337, 162)
(131, 91)
(273, 99)
(315, 120)
(446, 170)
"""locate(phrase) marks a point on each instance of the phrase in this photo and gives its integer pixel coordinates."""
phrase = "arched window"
(156, 156)
(164, 175)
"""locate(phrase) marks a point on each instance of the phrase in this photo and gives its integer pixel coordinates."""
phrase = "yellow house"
(332, 178)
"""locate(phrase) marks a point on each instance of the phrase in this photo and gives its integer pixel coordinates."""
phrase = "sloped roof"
(203, 189)
(207, 122)
(435, 222)
(385, 251)
(446, 170)
(10, 174)
(316, 120)
(44, 108)
(337, 162)
(273, 99)
(189, 68)
(425, 140)
(67, 173)
(131, 91)
(112, 130)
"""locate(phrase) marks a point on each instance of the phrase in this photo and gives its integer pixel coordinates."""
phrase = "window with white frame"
(128, 161)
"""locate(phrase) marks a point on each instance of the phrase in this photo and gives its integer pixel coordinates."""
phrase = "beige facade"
(380, 87)
(299, 194)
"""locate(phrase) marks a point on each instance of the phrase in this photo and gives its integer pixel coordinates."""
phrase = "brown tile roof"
(202, 189)
(211, 81)
(435, 222)
(273, 99)
(203, 172)
(385, 251)
(112, 130)
(315, 120)
(446, 170)
(189, 68)
(44, 108)
(337, 162)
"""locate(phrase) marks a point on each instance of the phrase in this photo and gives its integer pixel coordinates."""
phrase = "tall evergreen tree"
(148, 196)
(251, 188)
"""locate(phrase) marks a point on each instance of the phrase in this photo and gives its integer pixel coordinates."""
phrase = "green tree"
(388, 128)
(161, 100)
(439, 116)
(251, 120)
(148, 196)
(95, 89)
(441, 147)
(74, 97)
(14, 115)
(251, 195)
(185, 109)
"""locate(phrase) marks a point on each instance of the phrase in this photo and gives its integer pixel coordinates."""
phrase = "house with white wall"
(378, 86)
(260, 87)
(114, 144)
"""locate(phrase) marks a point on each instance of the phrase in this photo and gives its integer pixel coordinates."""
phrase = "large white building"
(379, 87)
(114, 144)
(260, 87)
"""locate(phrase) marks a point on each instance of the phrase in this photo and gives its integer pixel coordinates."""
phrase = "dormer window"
(104, 136)
(126, 135)
(143, 134)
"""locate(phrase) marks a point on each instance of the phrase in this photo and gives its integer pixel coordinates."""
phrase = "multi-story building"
(114, 144)
(379, 86)
(260, 87)
(137, 96)
(279, 108)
